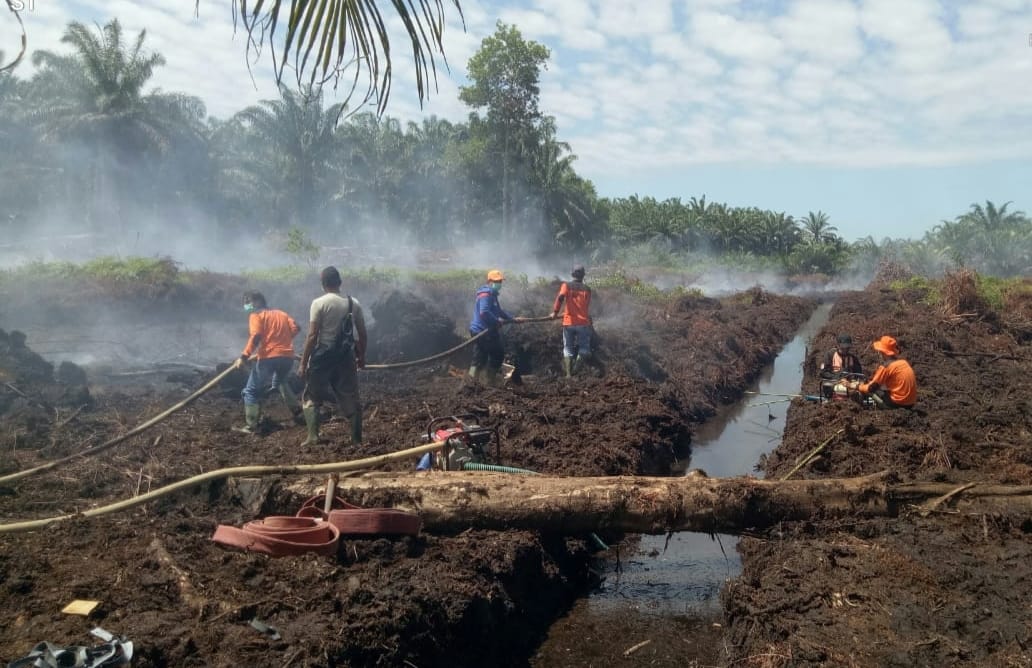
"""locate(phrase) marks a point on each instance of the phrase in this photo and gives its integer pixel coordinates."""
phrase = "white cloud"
(621, 20)
(729, 36)
(823, 30)
(671, 83)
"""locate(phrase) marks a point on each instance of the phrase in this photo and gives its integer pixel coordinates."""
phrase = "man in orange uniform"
(272, 335)
(893, 384)
(576, 321)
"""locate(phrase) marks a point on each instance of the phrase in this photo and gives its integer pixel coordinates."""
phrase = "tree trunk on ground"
(450, 502)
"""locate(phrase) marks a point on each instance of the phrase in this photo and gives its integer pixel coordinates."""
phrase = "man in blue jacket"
(488, 316)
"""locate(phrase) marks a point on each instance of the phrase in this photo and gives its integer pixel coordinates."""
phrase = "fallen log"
(455, 501)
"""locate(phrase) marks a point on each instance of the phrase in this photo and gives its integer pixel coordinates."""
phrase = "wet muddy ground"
(938, 588)
(477, 598)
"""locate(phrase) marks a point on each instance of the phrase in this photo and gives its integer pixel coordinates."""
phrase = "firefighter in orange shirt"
(576, 321)
(271, 337)
(893, 384)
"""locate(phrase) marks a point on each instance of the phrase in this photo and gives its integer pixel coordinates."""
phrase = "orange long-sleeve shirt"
(578, 302)
(898, 378)
(272, 334)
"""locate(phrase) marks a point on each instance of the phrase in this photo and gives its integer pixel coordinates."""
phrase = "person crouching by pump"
(840, 365)
(893, 384)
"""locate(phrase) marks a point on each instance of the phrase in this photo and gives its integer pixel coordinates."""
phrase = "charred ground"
(923, 589)
(478, 598)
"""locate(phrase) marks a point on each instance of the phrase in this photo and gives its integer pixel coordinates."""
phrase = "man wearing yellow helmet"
(488, 316)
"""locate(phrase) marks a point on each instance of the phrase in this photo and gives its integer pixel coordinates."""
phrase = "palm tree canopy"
(96, 93)
(320, 39)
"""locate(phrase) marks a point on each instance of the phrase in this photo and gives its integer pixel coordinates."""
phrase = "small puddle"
(679, 578)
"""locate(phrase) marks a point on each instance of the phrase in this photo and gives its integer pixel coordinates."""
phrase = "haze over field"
(660, 134)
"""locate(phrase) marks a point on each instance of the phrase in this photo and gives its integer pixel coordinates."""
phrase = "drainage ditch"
(662, 595)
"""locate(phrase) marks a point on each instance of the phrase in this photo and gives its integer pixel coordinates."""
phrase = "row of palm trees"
(84, 138)
(991, 239)
(809, 244)
(116, 151)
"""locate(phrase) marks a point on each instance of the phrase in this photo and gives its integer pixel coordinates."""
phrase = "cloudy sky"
(889, 115)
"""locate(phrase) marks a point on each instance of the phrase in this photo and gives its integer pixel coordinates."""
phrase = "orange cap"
(887, 345)
(495, 276)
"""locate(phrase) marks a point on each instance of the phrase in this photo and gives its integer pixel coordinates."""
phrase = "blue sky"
(889, 115)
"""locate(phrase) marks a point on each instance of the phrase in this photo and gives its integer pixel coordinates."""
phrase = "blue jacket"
(486, 311)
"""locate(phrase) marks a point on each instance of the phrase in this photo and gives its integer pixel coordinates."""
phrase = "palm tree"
(94, 97)
(379, 158)
(290, 147)
(324, 38)
(819, 228)
(432, 171)
(568, 201)
(995, 240)
(992, 218)
(779, 233)
(96, 94)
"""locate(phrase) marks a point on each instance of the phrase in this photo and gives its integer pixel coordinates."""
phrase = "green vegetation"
(295, 168)
(154, 272)
(991, 290)
(619, 279)
(930, 290)
(300, 246)
(995, 291)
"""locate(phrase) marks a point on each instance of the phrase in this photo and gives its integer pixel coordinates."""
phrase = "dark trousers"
(883, 400)
(337, 383)
(488, 350)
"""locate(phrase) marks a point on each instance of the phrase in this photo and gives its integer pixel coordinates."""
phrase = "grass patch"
(931, 291)
(995, 291)
(619, 280)
(162, 271)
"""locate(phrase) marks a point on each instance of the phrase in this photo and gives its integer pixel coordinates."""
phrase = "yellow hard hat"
(495, 276)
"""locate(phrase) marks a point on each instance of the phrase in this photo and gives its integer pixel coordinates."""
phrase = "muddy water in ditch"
(660, 600)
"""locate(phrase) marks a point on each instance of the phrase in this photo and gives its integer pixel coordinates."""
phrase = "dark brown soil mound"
(478, 598)
(32, 396)
(407, 327)
(923, 589)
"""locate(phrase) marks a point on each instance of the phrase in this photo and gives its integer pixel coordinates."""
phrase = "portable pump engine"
(464, 442)
(837, 389)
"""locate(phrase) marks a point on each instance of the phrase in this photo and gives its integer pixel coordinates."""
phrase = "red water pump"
(465, 441)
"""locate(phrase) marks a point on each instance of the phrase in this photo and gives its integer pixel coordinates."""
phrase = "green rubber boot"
(578, 364)
(251, 413)
(292, 403)
(567, 366)
(356, 428)
(311, 414)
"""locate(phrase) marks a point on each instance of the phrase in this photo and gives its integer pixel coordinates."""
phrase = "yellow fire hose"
(10, 477)
(333, 468)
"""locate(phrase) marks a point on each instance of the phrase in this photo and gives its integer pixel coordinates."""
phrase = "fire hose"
(207, 387)
(218, 474)
(11, 477)
(446, 353)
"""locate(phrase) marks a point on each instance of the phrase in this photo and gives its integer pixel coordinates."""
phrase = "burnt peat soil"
(938, 588)
(473, 599)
